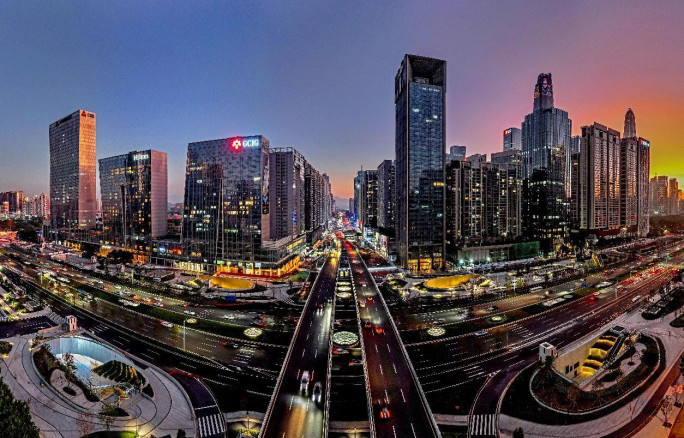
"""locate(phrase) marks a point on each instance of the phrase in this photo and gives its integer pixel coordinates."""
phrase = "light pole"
(191, 321)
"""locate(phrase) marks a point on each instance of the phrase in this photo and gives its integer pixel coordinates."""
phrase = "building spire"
(543, 92)
(630, 124)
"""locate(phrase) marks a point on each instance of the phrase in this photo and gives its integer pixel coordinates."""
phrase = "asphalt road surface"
(298, 410)
(392, 387)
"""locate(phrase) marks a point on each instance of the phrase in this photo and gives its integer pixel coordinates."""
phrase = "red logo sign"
(83, 113)
(236, 144)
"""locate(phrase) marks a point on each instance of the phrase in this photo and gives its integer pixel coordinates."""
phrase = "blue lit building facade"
(420, 90)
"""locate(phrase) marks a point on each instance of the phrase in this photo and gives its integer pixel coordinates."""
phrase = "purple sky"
(320, 77)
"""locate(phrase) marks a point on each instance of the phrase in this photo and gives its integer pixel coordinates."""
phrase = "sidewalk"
(672, 339)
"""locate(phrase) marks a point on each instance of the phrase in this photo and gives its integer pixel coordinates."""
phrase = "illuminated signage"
(138, 157)
(645, 143)
(238, 143)
(507, 132)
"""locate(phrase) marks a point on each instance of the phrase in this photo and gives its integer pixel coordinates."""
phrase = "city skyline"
(131, 75)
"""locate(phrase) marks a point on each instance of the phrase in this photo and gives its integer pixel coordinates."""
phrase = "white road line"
(403, 398)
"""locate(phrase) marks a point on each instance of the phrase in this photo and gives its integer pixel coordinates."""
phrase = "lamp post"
(190, 321)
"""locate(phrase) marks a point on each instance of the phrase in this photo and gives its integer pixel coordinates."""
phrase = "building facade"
(287, 185)
(72, 171)
(600, 178)
(512, 139)
(634, 179)
(134, 195)
(546, 141)
(456, 152)
(420, 91)
(386, 194)
(14, 200)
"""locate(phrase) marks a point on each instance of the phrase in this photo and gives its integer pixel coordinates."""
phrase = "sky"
(319, 76)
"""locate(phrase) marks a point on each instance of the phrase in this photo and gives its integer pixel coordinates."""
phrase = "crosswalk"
(210, 425)
(482, 426)
(56, 318)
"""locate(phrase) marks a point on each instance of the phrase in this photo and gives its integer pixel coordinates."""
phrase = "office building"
(386, 195)
(511, 156)
(134, 197)
(366, 194)
(673, 195)
(599, 178)
(226, 213)
(512, 139)
(72, 171)
(545, 145)
(456, 153)
(420, 91)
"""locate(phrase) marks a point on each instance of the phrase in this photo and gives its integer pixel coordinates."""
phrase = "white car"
(189, 312)
(304, 382)
(636, 298)
(229, 316)
(166, 324)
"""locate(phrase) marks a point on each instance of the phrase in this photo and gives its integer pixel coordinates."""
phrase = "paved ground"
(56, 416)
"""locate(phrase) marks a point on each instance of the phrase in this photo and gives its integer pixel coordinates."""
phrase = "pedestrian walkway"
(210, 425)
(482, 426)
(672, 339)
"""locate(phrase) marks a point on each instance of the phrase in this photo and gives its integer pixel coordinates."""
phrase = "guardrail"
(276, 391)
(407, 359)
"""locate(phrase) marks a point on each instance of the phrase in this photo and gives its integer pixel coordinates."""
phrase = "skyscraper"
(419, 96)
(287, 192)
(512, 139)
(226, 215)
(134, 195)
(456, 152)
(545, 146)
(599, 178)
(72, 171)
(634, 179)
(386, 194)
(659, 202)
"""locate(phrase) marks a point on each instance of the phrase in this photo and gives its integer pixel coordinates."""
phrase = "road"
(390, 378)
(294, 412)
(210, 421)
(503, 368)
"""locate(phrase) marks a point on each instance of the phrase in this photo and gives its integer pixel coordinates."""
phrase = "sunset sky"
(319, 76)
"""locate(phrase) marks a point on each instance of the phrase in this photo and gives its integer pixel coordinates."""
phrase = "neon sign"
(238, 143)
(507, 131)
(138, 157)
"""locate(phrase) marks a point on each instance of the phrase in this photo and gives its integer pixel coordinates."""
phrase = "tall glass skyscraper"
(419, 96)
(226, 216)
(133, 189)
(546, 143)
(72, 171)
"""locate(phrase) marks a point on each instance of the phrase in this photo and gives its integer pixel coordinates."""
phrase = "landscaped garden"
(120, 372)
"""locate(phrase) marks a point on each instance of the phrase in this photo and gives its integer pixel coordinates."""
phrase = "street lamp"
(190, 321)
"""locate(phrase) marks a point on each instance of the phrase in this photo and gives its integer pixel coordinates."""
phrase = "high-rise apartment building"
(512, 139)
(483, 200)
(659, 201)
(599, 178)
(134, 195)
(386, 194)
(420, 91)
(634, 177)
(366, 189)
(546, 142)
(72, 171)
(15, 201)
(673, 195)
(288, 194)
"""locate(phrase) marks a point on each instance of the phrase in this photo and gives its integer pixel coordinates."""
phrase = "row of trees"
(15, 416)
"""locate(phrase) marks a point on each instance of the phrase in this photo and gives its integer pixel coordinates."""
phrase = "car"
(340, 351)
(319, 310)
(440, 320)
(383, 411)
(158, 304)
(232, 345)
(304, 382)
(369, 299)
(636, 298)
(167, 324)
(189, 312)
(367, 324)
(355, 362)
(362, 304)
(493, 308)
(117, 286)
(317, 392)
(362, 283)
(229, 316)
(379, 330)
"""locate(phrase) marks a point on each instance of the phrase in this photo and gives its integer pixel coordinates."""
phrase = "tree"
(181, 434)
(28, 235)
(69, 368)
(15, 416)
(666, 408)
(106, 414)
(518, 433)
